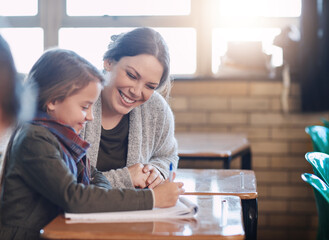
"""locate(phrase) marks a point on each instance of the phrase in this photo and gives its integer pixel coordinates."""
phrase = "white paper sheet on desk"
(184, 208)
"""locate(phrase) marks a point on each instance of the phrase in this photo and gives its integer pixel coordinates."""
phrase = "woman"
(46, 171)
(132, 136)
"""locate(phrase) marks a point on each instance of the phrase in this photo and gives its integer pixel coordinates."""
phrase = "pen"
(171, 172)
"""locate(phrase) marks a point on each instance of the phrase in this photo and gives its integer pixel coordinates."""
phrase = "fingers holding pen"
(180, 188)
(166, 194)
(173, 177)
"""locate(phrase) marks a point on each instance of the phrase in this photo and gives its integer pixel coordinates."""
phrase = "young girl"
(46, 171)
(132, 138)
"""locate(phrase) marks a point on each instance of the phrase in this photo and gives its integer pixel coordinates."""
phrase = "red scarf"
(74, 148)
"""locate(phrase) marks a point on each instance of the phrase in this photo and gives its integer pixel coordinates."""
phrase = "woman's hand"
(138, 176)
(154, 178)
(167, 193)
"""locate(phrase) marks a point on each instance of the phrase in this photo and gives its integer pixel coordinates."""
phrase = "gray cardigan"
(151, 139)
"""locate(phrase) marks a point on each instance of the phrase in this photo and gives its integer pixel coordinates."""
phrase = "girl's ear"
(107, 65)
(51, 106)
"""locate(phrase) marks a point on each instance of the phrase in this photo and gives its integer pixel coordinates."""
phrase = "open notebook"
(183, 209)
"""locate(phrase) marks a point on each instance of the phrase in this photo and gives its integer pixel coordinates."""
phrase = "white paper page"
(183, 209)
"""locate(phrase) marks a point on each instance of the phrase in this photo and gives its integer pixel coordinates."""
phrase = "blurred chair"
(320, 164)
(320, 138)
(321, 193)
(325, 122)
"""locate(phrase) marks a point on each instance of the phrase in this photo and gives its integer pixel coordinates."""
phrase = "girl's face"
(132, 82)
(76, 109)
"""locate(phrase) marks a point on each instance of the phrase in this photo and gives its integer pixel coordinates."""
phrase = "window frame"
(52, 16)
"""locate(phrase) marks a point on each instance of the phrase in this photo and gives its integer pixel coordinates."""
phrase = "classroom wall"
(278, 140)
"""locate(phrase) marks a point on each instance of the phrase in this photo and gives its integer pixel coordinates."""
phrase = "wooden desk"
(225, 182)
(206, 225)
(214, 146)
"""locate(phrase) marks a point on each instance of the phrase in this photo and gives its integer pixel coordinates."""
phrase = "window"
(260, 8)
(91, 43)
(19, 25)
(199, 33)
(18, 7)
(253, 24)
(182, 48)
(24, 40)
(127, 7)
(223, 36)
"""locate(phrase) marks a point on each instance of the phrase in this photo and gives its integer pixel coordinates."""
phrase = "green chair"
(320, 138)
(320, 164)
(321, 193)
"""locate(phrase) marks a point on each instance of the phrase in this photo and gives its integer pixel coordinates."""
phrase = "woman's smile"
(126, 99)
(132, 81)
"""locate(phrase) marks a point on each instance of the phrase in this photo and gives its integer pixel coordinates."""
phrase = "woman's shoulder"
(156, 102)
(155, 108)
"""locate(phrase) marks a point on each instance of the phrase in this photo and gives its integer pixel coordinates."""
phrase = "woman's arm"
(151, 141)
(165, 149)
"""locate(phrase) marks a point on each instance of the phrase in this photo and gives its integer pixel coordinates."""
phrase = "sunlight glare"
(221, 36)
(26, 45)
(260, 8)
(91, 43)
(18, 7)
(127, 7)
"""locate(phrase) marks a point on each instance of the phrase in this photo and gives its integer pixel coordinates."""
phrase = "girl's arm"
(45, 172)
(98, 179)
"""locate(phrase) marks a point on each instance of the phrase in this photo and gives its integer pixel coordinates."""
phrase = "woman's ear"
(107, 65)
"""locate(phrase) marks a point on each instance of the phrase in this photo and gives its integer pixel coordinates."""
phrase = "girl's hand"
(166, 194)
(137, 175)
(155, 177)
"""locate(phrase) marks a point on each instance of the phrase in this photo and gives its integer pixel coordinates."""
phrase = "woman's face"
(132, 82)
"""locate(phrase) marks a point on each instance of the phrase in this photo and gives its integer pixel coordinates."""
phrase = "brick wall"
(286, 204)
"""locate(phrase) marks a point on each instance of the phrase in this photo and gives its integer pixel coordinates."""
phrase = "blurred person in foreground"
(9, 88)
